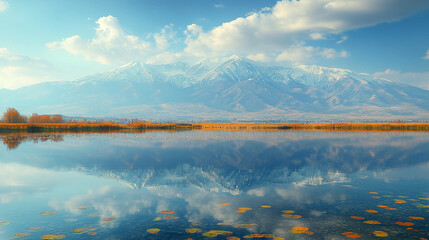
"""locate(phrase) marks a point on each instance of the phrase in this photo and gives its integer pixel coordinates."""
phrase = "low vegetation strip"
(393, 126)
(87, 127)
(108, 126)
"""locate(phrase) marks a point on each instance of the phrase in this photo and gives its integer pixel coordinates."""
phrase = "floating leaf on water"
(358, 218)
(265, 206)
(21, 235)
(391, 208)
(380, 234)
(296, 216)
(223, 224)
(209, 234)
(193, 230)
(240, 210)
(298, 230)
(252, 225)
(167, 212)
(288, 211)
(245, 208)
(375, 197)
(372, 222)
(417, 218)
(287, 215)
(278, 238)
(224, 204)
(82, 208)
(399, 201)
(171, 217)
(196, 224)
(424, 198)
(35, 229)
(232, 238)
(215, 233)
(255, 235)
(422, 206)
(92, 233)
(351, 234)
(53, 236)
(382, 206)
(309, 233)
(3, 223)
(349, 186)
(372, 211)
(405, 223)
(83, 230)
(108, 219)
(153, 230)
(157, 218)
(48, 213)
(93, 215)
(373, 192)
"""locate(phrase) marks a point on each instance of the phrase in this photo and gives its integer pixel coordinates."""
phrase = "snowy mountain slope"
(224, 88)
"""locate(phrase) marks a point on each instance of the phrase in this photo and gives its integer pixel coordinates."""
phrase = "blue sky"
(58, 40)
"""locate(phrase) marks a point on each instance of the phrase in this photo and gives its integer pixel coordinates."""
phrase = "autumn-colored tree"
(57, 119)
(34, 118)
(12, 116)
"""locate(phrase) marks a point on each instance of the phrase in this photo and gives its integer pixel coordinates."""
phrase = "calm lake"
(215, 185)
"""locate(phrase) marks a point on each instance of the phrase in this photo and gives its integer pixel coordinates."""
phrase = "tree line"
(13, 116)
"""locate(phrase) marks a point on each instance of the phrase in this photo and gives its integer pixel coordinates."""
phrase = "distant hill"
(231, 88)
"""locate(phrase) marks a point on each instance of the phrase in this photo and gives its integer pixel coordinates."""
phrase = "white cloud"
(219, 5)
(165, 58)
(3, 5)
(288, 23)
(260, 57)
(110, 44)
(343, 39)
(163, 38)
(17, 71)
(418, 79)
(427, 55)
(299, 54)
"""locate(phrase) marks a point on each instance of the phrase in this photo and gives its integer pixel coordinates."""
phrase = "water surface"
(115, 186)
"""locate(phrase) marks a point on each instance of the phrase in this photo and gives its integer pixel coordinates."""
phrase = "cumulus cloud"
(427, 55)
(18, 71)
(343, 39)
(276, 29)
(299, 54)
(163, 38)
(418, 79)
(3, 5)
(110, 44)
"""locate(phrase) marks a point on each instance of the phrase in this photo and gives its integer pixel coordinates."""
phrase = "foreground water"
(215, 185)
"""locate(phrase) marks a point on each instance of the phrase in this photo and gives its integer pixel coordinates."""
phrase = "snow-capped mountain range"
(231, 88)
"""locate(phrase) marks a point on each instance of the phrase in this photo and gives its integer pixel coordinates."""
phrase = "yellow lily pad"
(372, 222)
(48, 213)
(193, 230)
(53, 236)
(153, 230)
(380, 234)
(4, 223)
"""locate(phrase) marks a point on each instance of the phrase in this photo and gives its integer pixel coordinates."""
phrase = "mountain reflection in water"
(323, 177)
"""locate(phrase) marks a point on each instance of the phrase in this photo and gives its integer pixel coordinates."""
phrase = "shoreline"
(107, 127)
